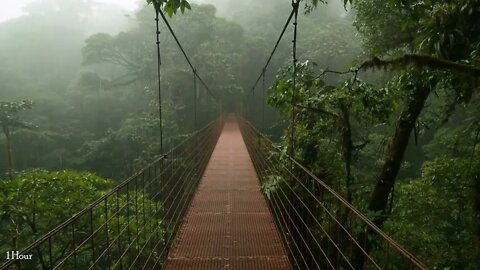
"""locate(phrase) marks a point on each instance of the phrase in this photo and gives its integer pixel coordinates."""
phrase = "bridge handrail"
(349, 206)
(112, 192)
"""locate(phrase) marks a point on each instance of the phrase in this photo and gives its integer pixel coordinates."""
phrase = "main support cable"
(263, 101)
(295, 5)
(274, 49)
(159, 63)
(195, 126)
(186, 57)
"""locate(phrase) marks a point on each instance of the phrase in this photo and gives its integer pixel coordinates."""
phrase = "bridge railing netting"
(133, 225)
(320, 229)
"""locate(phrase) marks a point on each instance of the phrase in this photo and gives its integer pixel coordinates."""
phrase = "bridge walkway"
(228, 224)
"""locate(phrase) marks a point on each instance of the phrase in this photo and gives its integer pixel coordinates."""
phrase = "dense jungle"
(387, 109)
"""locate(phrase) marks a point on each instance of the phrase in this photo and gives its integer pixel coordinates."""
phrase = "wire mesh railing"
(133, 225)
(320, 229)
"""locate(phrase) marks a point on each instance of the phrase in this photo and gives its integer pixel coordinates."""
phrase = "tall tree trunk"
(8, 142)
(476, 183)
(347, 149)
(393, 160)
(474, 174)
(395, 151)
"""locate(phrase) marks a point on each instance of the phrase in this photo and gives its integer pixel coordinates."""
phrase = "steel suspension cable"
(295, 5)
(195, 126)
(159, 63)
(263, 101)
(186, 56)
(274, 49)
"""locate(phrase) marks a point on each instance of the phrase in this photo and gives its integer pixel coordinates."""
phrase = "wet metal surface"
(228, 225)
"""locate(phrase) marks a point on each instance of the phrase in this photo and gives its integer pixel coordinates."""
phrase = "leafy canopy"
(9, 113)
(36, 201)
(171, 6)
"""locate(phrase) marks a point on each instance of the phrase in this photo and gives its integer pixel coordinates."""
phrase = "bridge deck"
(228, 224)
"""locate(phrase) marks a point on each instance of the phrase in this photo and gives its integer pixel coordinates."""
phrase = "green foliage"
(344, 125)
(171, 6)
(271, 185)
(102, 116)
(435, 212)
(325, 112)
(9, 120)
(112, 98)
(445, 29)
(212, 41)
(312, 4)
(36, 201)
(9, 113)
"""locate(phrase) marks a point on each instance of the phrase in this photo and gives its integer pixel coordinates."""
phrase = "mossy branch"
(420, 61)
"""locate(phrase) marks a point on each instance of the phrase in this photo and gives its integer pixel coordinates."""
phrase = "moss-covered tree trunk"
(347, 150)
(395, 152)
(393, 160)
(476, 180)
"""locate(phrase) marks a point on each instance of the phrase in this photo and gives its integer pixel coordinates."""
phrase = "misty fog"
(381, 92)
(41, 55)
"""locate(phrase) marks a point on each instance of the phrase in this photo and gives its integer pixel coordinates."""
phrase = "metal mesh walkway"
(228, 225)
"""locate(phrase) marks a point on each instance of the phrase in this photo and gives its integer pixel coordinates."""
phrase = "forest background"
(78, 106)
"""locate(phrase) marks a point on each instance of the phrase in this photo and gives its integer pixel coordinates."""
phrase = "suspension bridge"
(225, 198)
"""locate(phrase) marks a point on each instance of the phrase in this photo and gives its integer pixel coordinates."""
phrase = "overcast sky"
(10, 9)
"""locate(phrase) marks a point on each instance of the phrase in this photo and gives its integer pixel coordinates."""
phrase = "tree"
(438, 221)
(9, 120)
(432, 67)
(451, 34)
(35, 202)
(429, 43)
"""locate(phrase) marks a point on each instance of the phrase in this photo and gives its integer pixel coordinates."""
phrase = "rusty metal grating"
(228, 224)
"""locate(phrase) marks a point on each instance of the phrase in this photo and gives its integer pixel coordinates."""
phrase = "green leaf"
(169, 9)
(176, 4)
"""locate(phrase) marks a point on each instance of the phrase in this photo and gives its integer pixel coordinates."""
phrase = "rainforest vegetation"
(387, 108)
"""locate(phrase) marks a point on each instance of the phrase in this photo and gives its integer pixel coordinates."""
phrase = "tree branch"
(326, 71)
(318, 110)
(122, 80)
(420, 61)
